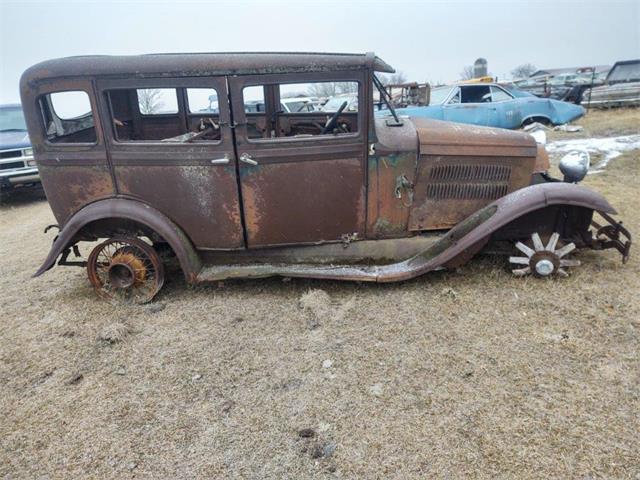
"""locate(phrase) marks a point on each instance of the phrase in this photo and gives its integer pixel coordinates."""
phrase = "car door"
(299, 186)
(506, 112)
(465, 106)
(156, 160)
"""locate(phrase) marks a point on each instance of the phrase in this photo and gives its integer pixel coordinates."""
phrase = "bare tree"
(467, 73)
(523, 71)
(394, 78)
(149, 100)
(330, 89)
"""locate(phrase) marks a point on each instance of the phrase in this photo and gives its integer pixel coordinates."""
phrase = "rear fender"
(470, 235)
(130, 210)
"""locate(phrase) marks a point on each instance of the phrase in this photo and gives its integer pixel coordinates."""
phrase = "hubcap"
(544, 268)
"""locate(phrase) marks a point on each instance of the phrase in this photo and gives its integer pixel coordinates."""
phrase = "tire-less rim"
(125, 269)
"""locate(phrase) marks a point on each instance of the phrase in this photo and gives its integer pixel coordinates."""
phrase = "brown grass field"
(472, 373)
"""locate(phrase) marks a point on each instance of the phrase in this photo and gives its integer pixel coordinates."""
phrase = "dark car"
(17, 165)
(127, 155)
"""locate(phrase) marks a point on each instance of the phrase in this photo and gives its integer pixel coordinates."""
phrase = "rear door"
(171, 146)
(299, 185)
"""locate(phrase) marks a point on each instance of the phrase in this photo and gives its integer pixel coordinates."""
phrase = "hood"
(449, 138)
(14, 139)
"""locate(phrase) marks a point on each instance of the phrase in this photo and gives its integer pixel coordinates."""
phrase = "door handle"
(246, 158)
(219, 161)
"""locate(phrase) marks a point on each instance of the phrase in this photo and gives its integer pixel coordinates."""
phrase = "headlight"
(31, 163)
(27, 152)
(575, 165)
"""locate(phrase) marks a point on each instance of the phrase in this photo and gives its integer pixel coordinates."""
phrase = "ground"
(466, 373)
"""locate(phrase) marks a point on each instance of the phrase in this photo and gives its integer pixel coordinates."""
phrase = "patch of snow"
(608, 147)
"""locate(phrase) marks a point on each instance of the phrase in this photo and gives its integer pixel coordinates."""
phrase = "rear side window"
(68, 117)
(157, 101)
(167, 115)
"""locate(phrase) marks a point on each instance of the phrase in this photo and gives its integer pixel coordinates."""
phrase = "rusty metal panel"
(201, 199)
(303, 202)
(395, 156)
(71, 187)
(450, 188)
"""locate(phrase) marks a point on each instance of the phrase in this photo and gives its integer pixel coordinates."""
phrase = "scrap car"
(246, 192)
(493, 105)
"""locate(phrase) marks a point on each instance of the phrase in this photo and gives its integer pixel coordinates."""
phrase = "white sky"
(425, 40)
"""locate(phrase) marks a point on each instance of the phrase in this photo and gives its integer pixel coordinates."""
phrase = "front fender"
(130, 210)
(473, 233)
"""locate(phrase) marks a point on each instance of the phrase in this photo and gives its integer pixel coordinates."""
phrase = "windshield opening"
(12, 119)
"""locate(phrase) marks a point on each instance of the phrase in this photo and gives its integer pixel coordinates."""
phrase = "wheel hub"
(544, 267)
(121, 275)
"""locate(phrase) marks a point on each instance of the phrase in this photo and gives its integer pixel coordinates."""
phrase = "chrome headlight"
(27, 152)
(575, 165)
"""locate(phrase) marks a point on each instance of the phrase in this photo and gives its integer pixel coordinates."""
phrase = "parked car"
(492, 105)
(298, 104)
(335, 194)
(17, 165)
(336, 102)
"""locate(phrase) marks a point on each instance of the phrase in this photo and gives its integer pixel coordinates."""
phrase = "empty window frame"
(301, 109)
(166, 115)
(68, 117)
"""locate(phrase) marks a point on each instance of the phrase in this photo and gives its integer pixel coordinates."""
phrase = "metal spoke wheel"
(543, 260)
(125, 269)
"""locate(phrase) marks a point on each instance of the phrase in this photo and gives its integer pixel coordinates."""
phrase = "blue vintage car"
(492, 105)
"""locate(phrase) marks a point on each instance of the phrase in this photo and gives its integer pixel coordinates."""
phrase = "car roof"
(201, 64)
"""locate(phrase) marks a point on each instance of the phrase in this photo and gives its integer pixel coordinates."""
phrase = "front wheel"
(543, 260)
(125, 269)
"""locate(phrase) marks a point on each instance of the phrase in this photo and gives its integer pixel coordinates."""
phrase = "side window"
(303, 109)
(499, 95)
(68, 117)
(170, 115)
(157, 101)
(476, 94)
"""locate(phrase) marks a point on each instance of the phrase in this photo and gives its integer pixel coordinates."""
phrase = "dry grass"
(470, 373)
(604, 123)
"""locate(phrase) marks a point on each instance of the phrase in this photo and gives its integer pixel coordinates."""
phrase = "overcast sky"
(425, 40)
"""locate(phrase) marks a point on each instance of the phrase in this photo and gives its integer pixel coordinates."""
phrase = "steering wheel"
(331, 123)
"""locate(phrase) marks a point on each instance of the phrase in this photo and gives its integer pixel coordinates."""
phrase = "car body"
(17, 165)
(247, 193)
(492, 105)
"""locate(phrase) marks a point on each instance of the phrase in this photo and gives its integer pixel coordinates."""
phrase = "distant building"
(552, 72)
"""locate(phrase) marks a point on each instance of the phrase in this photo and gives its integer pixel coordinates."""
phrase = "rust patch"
(69, 188)
(202, 200)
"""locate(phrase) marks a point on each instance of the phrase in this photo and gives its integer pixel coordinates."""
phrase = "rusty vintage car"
(190, 156)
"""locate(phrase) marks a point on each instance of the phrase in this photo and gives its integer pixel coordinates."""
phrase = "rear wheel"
(125, 269)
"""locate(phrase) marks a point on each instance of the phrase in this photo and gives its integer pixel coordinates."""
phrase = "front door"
(301, 180)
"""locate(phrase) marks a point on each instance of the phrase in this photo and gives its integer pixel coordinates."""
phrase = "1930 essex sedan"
(131, 152)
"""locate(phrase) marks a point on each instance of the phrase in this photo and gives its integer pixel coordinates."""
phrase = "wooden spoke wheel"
(543, 260)
(125, 269)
